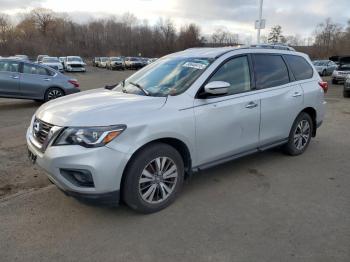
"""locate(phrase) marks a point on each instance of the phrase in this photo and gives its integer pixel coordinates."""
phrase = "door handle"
(47, 79)
(251, 105)
(14, 77)
(297, 94)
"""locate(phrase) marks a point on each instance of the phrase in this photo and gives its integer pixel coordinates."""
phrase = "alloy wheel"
(158, 180)
(302, 134)
(53, 94)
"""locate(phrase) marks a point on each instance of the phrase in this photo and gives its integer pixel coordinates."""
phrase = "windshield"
(116, 59)
(74, 59)
(50, 60)
(320, 63)
(104, 59)
(344, 67)
(167, 76)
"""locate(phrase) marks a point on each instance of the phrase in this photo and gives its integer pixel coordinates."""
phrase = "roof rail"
(273, 46)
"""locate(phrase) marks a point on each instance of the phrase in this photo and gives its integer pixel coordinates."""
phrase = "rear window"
(301, 69)
(270, 71)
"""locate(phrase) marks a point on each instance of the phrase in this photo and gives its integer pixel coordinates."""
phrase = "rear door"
(35, 79)
(9, 78)
(228, 125)
(281, 98)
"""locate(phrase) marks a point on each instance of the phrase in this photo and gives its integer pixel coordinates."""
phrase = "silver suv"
(185, 112)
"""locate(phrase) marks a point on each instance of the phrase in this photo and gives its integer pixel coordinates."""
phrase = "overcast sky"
(295, 16)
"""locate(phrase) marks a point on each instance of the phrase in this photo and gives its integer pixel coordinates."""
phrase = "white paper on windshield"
(195, 65)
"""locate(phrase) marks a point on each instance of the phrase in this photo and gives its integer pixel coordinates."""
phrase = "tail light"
(74, 82)
(323, 85)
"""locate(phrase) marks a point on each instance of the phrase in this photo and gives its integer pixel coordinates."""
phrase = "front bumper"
(339, 78)
(105, 165)
(76, 69)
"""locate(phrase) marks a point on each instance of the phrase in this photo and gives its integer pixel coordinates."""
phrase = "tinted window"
(300, 67)
(34, 69)
(270, 71)
(9, 66)
(236, 73)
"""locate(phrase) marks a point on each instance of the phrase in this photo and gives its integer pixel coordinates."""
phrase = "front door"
(229, 124)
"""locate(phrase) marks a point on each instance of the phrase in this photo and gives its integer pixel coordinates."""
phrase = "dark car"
(115, 63)
(26, 80)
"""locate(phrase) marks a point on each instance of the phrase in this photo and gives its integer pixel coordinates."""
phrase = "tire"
(297, 141)
(53, 93)
(324, 73)
(150, 195)
(346, 94)
(334, 82)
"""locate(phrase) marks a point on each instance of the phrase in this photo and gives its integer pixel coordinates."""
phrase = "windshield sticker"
(199, 66)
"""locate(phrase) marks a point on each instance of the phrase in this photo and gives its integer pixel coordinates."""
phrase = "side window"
(270, 71)
(236, 73)
(34, 70)
(301, 69)
(9, 66)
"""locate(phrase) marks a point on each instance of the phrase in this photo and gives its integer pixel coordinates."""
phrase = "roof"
(214, 52)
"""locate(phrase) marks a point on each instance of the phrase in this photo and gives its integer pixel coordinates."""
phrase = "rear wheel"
(153, 178)
(346, 94)
(53, 93)
(300, 135)
(334, 81)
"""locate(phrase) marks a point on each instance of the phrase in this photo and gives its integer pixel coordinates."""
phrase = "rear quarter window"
(300, 68)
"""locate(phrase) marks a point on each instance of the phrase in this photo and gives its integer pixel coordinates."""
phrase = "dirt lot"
(265, 207)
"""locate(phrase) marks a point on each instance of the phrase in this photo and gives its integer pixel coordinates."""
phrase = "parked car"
(346, 91)
(340, 74)
(115, 63)
(102, 62)
(133, 63)
(62, 58)
(188, 111)
(325, 67)
(74, 64)
(95, 61)
(26, 80)
(22, 57)
(53, 62)
(40, 58)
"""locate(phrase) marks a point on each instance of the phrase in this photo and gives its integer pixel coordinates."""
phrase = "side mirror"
(217, 88)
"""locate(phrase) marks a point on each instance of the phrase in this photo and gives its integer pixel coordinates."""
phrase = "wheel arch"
(313, 114)
(176, 143)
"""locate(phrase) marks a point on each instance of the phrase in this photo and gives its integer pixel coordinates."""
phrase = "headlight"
(88, 136)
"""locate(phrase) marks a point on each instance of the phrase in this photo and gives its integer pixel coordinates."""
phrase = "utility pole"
(259, 25)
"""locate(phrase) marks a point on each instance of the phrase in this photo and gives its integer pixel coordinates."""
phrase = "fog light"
(78, 177)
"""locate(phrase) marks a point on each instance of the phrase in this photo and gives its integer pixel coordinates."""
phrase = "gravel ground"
(264, 207)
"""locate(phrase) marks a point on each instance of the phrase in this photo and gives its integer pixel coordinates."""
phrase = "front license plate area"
(32, 157)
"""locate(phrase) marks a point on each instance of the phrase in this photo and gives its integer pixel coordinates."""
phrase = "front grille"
(76, 65)
(41, 130)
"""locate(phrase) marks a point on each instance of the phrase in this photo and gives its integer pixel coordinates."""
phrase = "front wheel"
(153, 178)
(300, 135)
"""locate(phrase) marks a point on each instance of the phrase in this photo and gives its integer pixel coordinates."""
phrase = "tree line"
(43, 31)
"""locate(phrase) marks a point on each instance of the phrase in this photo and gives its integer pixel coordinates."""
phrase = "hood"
(53, 64)
(99, 107)
(75, 63)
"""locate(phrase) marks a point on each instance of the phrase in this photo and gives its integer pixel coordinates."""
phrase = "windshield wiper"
(140, 87)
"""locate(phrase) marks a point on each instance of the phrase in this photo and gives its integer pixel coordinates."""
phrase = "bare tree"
(276, 36)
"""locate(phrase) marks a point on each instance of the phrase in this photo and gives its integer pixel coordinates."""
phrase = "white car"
(340, 74)
(74, 64)
(52, 62)
(185, 112)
